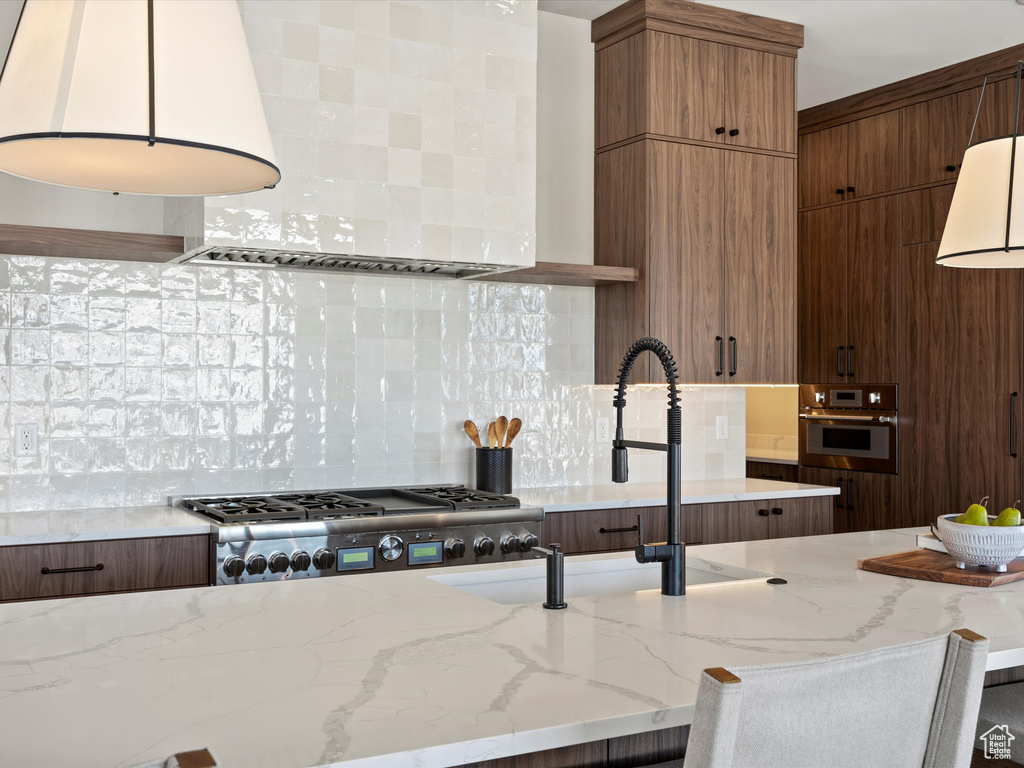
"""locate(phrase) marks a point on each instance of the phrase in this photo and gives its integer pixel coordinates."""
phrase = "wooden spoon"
(473, 433)
(513, 429)
(501, 427)
(492, 435)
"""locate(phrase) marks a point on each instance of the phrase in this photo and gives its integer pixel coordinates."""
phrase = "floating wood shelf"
(18, 240)
(556, 273)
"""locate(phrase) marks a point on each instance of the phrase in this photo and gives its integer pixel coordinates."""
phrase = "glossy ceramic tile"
(162, 379)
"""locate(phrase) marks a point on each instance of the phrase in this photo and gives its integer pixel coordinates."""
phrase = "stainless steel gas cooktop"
(330, 532)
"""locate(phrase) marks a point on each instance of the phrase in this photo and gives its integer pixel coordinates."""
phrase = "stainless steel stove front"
(306, 551)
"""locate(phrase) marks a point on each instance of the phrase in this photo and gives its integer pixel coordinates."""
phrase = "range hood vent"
(319, 262)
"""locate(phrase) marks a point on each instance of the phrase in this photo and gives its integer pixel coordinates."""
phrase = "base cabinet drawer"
(768, 519)
(611, 530)
(67, 569)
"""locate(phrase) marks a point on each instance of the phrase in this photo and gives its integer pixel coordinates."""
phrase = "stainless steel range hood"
(328, 262)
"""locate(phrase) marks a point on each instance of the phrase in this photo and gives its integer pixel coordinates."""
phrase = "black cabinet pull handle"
(849, 494)
(720, 130)
(619, 530)
(850, 189)
(734, 132)
(772, 477)
(839, 498)
(849, 361)
(735, 355)
(763, 512)
(840, 191)
(97, 567)
(839, 361)
(1013, 425)
(721, 356)
(950, 168)
(776, 510)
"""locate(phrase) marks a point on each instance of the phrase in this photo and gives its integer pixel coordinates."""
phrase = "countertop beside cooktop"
(53, 526)
(399, 669)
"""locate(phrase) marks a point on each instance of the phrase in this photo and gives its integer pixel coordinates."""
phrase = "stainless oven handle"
(880, 419)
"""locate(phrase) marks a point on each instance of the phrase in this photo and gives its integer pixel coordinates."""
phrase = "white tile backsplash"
(151, 380)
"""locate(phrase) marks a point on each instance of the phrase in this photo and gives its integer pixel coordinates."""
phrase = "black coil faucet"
(672, 554)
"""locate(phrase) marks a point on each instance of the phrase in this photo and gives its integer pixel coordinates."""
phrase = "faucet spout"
(672, 554)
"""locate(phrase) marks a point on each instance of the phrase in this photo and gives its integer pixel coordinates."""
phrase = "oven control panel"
(875, 397)
(306, 557)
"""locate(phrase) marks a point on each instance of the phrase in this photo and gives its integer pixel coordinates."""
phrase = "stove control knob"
(819, 397)
(527, 542)
(455, 548)
(256, 564)
(483, 546)
(234, 566)
(301, 561)
(279, 562)
(875, 398)
(509, 544)
(323, 559)
(391, 548)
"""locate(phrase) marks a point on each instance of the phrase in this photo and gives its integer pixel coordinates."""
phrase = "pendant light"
(985, 226)
(150, 97)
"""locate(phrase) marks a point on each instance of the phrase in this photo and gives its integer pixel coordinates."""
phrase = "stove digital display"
(356, 559)
(429, 552)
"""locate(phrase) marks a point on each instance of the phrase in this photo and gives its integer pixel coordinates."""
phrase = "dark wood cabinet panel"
(994, 117)
(823, 166)
(836, 504)
(931, 140)
(687, 87)
(759, 92)
(615, 530)
(923, 214)
(766, 470)
(873, 162)
(873, 255)
(128, 565)
(928, 393)
(759, 232)
(735, 521)
(593, 754)
(988, 375)
(648, 749)
(872, 502)
(810, 516)
(822, 295)
(685, 262)
(621, 239)
(620, 90)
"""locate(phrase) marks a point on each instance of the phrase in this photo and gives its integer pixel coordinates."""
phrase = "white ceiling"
(853, 45)
(849, 45)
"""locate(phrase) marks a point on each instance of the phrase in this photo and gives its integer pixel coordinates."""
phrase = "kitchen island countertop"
(398, 669)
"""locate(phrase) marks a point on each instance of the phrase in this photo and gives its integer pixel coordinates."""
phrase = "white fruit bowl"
(993, 546)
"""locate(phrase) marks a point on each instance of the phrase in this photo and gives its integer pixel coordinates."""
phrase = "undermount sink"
(588, 578)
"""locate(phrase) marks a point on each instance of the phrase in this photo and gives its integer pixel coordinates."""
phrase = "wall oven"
(849, 427)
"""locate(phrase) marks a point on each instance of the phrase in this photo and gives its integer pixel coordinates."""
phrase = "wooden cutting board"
(937, 566)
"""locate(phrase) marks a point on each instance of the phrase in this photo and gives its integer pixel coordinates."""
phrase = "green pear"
(1009, 516)
(976, 514)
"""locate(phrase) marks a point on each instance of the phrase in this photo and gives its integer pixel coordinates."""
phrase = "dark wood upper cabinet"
(759, 239)
(932, 140)
(822, 295)
(994, 116)
(923, 214)
(692, 191)
(872, 257)
(851, 160)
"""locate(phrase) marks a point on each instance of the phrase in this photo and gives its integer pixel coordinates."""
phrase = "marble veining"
(397, 669)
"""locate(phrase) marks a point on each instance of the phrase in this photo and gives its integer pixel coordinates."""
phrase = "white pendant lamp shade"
(976, 233)
(153, 97)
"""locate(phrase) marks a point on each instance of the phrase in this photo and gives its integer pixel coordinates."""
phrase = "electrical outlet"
(722, 428)
(26, 440)
(601, 430)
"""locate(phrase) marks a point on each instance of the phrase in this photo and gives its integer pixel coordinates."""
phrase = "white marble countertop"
(586, 497)
(52, 526)
(398, 669)
(773, 456)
